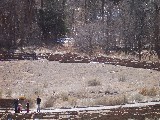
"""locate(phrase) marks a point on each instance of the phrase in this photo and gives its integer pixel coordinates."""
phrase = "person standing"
(16, 105)
(27, 106)
(19, 108)
(38, 104)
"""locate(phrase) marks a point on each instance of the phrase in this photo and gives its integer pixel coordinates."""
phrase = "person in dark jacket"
(16, 105)
(38, 104)
(27, 106)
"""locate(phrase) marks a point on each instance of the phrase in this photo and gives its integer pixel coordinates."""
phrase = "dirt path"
(129, 111)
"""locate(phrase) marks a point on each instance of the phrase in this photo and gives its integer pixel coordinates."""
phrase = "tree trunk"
(156, 30)
(102, 10)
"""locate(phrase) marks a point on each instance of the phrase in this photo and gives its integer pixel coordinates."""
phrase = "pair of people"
(17, 106)
(38, 105)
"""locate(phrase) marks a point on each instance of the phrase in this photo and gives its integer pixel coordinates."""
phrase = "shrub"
(111, 100)
(31, 102)
(149, 91)
(101, 101)
(50, 101)
(122, 79)
(8, 93)
(137, 97)
(1, 93)
(45, 85)
(94, 82)
(72, 101)
(37, 91)
(22, 97)
(64, 96)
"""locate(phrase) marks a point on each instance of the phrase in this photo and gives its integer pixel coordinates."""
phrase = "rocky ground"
(77, 84)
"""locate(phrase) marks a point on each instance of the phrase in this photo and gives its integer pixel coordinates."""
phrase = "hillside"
(77, 84)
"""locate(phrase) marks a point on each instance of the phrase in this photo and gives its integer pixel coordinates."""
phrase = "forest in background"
(127, 25)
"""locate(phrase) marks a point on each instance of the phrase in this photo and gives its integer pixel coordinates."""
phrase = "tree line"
(128, 25)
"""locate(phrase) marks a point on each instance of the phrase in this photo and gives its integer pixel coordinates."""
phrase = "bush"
(1, 93)
(64, 96)
(137, 97)
(50, 101)
(111, 100)
(9, 93)
(22, 97)
(149, 91)
(72, 101)
(122, 79)
(94, 82)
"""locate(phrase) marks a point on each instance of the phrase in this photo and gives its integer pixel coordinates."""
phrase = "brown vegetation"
(149, 91)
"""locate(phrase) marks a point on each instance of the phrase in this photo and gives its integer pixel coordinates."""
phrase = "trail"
(139, 111)
(93, 108)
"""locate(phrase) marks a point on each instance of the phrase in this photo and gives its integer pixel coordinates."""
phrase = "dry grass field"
(77, 84)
